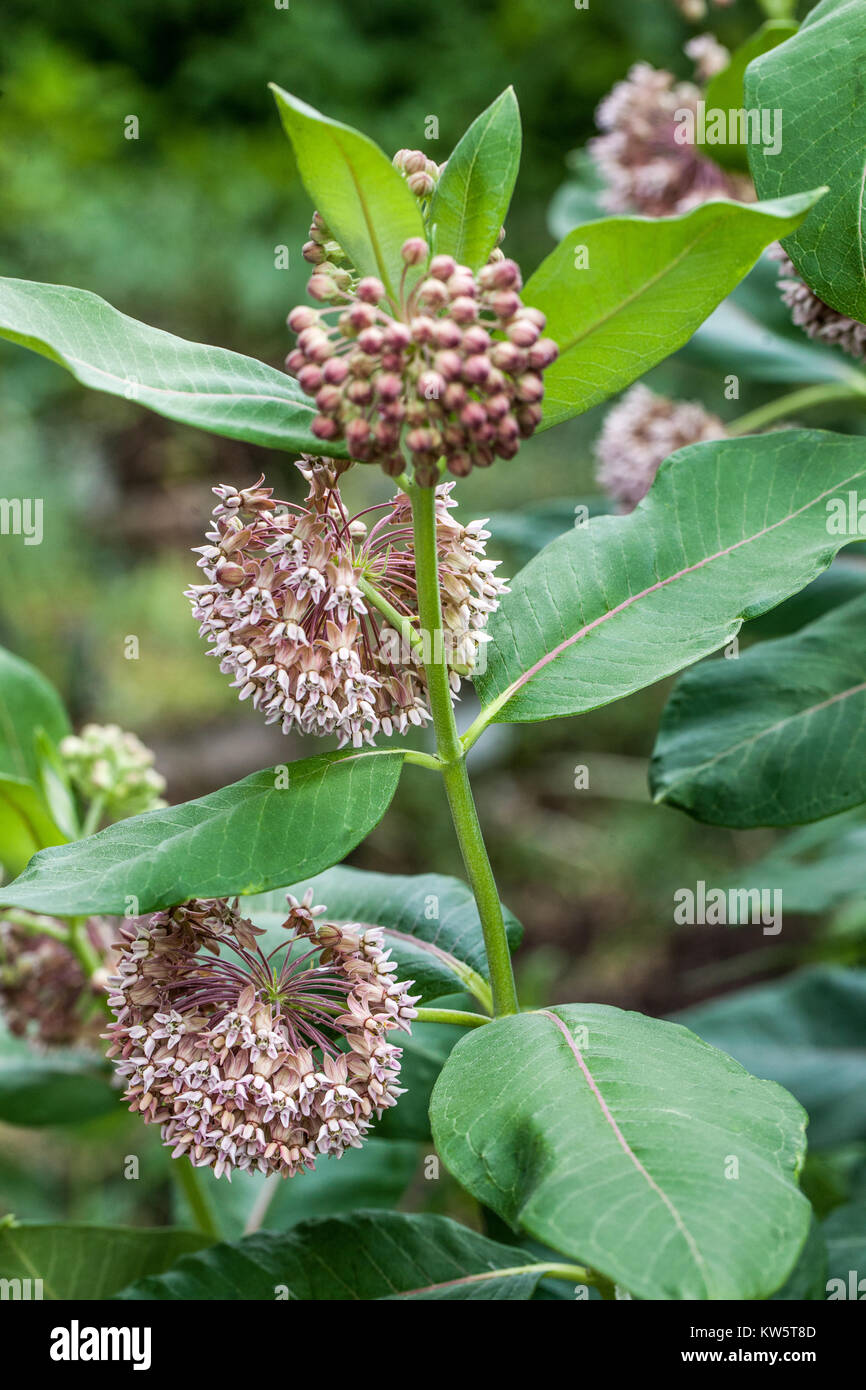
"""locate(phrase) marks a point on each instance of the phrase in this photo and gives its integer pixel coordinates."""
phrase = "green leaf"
(376, 1175)
(472, 197)
(725, 90)
(816, 81)
(364, 201)
(731, 333)
(368, 1256)
(728, 530)
(612, 1137)
(28, 703)
(425, 1052)
(622, 293)
(245, 838)
(817, 868)
(89, 1262)
(207, 387)
(777, 736)
(58, 1087)
(431, 921)
(808, 1032)
(25, 825)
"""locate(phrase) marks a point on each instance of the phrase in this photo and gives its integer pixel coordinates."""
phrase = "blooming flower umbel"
(257, 1061)
(453, 370)
(288, 612)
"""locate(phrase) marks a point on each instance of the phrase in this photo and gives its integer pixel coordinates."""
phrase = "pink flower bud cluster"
(286, 614)
(45, 995)
(421, 174)
(456, 374)
(251, 1064)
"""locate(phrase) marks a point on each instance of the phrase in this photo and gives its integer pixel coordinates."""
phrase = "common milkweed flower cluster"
(46, 995)
(288, 613)
(639, 433)
(646, 169)
(454, 369)
(254, 1061)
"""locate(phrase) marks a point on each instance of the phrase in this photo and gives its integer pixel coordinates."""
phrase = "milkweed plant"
(256, 999)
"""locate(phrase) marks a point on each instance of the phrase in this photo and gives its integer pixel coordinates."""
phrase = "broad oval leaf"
(817, 868)
(368, 1256)
(776, 737)
(622, 293)
(431, 922)
(808, 1032)
(89, 1262)
(364, 201)
(28, 703)
(761, 353)
(816, 81)
(610, 1136)
(208, 387)
(245, 838)
(728, 530)
(475, 188)
(57, 1087)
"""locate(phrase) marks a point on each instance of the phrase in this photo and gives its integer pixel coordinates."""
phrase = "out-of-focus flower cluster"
(696, 10)
(644, 166)
(454, 370)
(815, 317)
(106, 764)
(288, 611)
(252, 1061)
(639, 433)
(44, 992)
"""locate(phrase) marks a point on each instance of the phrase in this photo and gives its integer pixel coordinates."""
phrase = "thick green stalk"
(197, 1201)
(452, 757)
(459, 1016)
(852, 389)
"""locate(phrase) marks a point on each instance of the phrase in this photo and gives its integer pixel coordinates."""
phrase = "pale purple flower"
(262, 1062)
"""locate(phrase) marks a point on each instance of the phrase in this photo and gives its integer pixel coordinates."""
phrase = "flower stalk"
(452, 757)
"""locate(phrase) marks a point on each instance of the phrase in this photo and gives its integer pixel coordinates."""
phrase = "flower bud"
(414, 251)
(301, 317)
(421, 185)
(370, 290)
(443, 267)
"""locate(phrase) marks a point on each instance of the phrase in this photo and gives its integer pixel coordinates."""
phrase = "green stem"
(403, 625)
(202, 1213)
(261, 1205)
(93, 816)
(36, 925)
(79, 942)
(779, 9)
(803, 399)
(460, 1016)
(452, 757)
